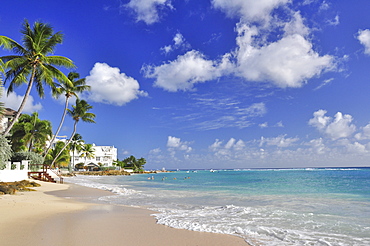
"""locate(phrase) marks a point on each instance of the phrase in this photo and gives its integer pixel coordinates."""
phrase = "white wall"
(8, 175)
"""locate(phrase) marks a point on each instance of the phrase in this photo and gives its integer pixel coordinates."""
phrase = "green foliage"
(137, 165)
(79, 111)
(62, 160)
(34, 158)
(5, 151)
(33, 61)
(119, 163)
(74, 86)
(30, 133)
(87, 151)
(107, 168)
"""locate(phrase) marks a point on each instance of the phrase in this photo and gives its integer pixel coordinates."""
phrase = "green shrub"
(5, 151)
(34, 158)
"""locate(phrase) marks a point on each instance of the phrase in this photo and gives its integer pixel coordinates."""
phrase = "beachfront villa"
(103, 156)
(6, 118)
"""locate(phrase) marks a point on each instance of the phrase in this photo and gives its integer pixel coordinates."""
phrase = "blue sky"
(214, 83)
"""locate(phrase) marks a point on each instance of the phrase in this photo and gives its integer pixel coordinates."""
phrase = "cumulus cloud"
(13, 101)
(148, 10)
(179, 42)
(184, 72)
(110, 86)
(364, 38)
(174, 143)
(288, 62)
(364, 134)
(338, 127)
(249, 10)
(230, 147)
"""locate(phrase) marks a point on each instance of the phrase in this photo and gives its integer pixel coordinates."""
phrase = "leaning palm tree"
(62, 159)
(70, 89)
(76, 146)
(79, 112)
(87, 151)
(33, 62)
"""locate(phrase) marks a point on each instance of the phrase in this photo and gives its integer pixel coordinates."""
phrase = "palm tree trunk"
(23, 104)
(60, 127)
(65, 146)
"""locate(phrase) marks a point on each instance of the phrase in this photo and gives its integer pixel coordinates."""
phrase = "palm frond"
(10, 44)
(60, 61)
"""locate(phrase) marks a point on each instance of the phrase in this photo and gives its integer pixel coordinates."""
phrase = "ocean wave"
(117, 189)
(255, 225)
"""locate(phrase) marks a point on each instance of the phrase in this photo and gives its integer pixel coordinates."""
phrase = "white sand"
(39, 218)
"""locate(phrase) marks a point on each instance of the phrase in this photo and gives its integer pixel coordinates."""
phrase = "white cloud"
(110, 86)
(184, 72)
(318, 146)
(339, 127)
(288, 62)
(179, 42)
(174, 143)
(364, 38)
(227, 149)
(364, 134)
(279, 124)
(249, 10)
(147, 10)
(155, 151)
(279, 141)
(296, 26)
(13, 101)
(356, 147)
(263, 125)
(334, 22)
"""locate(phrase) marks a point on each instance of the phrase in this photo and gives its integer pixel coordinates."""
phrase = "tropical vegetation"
(78, 112)
(87, 151)
(74, 86)
(30, 134)
(32, 62)
(62, 159)
(137, 165)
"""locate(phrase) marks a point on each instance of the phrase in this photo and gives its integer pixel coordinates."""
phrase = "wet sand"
(63, 214)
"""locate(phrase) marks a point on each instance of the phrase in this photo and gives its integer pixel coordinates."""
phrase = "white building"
(103, 156)
(6, 118)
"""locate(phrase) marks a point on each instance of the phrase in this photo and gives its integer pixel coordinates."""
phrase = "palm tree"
(75, 145)
(79, 112)
(33, 62)
(87, 151)
(62, 159)
(70, 89)
(30, 133)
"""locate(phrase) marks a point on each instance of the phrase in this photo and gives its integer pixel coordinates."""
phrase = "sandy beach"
(56, 214)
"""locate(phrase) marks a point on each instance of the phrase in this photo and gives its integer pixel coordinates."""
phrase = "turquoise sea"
(316, 206)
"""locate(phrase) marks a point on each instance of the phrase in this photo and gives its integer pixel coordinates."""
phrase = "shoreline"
(63, 214)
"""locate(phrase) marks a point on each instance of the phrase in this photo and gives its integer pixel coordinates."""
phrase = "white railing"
(17, 173)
